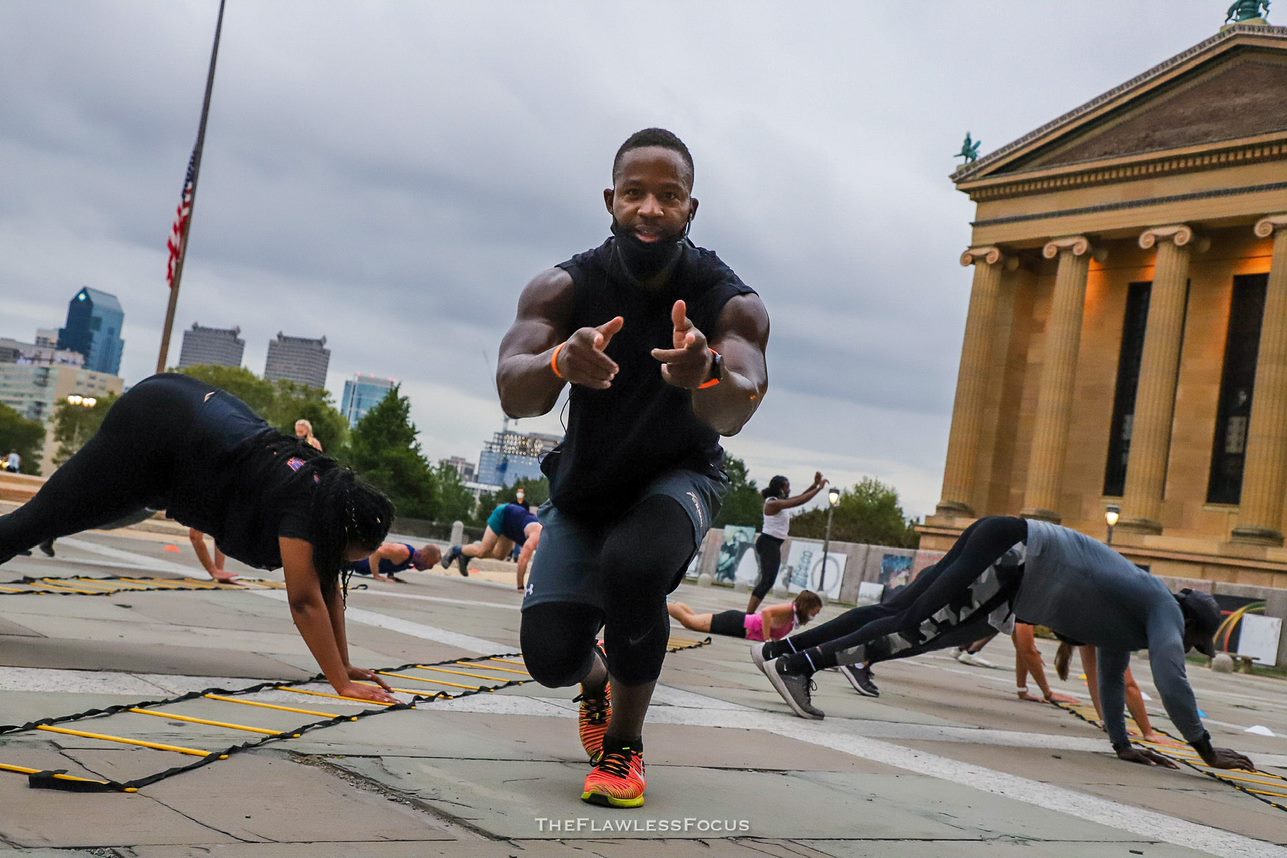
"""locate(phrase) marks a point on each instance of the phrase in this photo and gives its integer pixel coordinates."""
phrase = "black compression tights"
(978, 547)
(642, 559)
(768, 550)
(125, 467)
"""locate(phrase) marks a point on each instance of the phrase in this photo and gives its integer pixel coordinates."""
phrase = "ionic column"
(1058, 374)
(971, 384)
(1264, 473)
(1155, 395)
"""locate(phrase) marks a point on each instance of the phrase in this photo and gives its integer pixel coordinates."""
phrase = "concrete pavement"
(945, 761)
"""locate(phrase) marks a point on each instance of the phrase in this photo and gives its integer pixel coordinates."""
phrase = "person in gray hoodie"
(1043, 574)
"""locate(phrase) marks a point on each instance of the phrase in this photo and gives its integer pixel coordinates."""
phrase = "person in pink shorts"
(770, 623)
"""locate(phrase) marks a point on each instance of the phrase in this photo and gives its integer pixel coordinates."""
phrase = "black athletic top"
(244, 482)
(620, 439)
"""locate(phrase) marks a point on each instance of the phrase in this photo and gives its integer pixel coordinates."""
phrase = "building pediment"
(1228, 91)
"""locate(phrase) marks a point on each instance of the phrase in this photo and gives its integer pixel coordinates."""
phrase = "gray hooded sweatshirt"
(1083, 589)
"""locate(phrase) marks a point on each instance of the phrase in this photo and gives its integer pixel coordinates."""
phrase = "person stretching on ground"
(174, 442)
(1046, 575)
(663, 347)
(393, 557)
(510, 526)
(770, 623)
(777, 524)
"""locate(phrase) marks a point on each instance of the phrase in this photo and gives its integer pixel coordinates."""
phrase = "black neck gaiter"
(644, 260)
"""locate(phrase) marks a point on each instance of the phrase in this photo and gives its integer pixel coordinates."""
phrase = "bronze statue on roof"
(1247, 10)
(969, 150)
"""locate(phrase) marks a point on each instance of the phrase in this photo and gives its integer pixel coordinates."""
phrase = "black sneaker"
(452, 553)
(47, 548)
(860, 678)
(795, 688)
(464, 565)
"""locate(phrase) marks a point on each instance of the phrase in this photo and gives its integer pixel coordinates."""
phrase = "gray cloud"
(391, 174)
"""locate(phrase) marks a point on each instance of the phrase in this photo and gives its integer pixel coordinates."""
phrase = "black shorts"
(566, 568)
(730, 623)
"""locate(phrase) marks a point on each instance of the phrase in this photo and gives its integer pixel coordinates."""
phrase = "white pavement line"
(407, 627)
(62, 680)
(131, 557)
(1148, 824)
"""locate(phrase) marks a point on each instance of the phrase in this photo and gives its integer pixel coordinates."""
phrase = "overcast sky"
(390, 175)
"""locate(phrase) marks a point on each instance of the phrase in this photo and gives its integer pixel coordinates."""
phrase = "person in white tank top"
(777, 524)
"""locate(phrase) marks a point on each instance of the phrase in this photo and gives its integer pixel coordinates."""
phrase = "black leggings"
(640, 565)
(127, 466)
(908, 619)
(730, 623)
(768, 550)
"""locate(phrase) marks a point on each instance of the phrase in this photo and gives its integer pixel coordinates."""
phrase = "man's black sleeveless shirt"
(620, 439)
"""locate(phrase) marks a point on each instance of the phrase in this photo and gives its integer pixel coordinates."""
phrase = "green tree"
(76, 424)
(25, 437)
(280, 402)
(384, 450)
(743, 504)
(455, 502)
(292, 401)
(867, 513)
(256, 392)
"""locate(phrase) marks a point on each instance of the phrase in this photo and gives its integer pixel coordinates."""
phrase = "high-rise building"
(512, 456)
(93, 328)
(298, 359)
(467, 469)
(211, 346)
(16, 351)
(34, 391)
(362, 393)
(47, 337)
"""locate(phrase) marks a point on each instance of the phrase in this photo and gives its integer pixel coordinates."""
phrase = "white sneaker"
(966, 657)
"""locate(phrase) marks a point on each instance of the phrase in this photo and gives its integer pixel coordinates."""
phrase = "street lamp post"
(833, 500)
(1111, 513)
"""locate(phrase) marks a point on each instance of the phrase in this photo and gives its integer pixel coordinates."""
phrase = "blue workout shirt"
(387, 567)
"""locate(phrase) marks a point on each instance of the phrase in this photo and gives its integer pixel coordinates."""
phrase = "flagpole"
(196, 171)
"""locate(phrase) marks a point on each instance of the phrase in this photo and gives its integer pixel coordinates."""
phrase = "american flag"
(175, 242)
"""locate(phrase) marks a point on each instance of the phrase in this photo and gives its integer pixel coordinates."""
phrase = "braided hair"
(347, 511)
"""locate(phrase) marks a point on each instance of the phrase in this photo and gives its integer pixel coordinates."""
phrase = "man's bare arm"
(528, 386)
(742, 341)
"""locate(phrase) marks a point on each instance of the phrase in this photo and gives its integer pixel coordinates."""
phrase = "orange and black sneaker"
(594, 717)
(618, 779)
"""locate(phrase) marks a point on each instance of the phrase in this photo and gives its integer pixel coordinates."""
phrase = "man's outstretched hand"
(581, 359)
(688, 364)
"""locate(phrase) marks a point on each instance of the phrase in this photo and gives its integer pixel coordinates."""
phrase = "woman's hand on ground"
(1057, 697)
(366, 692)
(368, 675)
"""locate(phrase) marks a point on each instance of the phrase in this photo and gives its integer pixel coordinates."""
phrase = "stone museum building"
(1126, 341)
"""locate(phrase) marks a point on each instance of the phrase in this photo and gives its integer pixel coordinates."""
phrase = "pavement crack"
(202, 824)
(448, 822)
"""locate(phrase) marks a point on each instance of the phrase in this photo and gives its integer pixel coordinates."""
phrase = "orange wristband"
(709, 383)
(554, 361)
